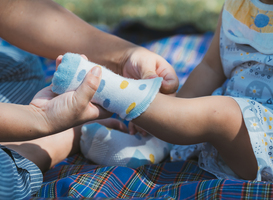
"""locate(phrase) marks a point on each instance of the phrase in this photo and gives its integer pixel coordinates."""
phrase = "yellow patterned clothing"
(246, 50)
(249, 22)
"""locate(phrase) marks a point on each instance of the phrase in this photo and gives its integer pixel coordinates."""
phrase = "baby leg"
(214, 119)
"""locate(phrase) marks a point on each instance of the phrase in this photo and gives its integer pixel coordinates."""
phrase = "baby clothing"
(246, 51)
(114, 148)
(126, 97)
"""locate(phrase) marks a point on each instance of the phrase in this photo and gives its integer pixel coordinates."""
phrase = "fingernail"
(59, 56)
(96, 71)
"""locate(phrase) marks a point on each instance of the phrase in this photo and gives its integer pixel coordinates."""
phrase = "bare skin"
(45, 28)
(205, 119)
(196, 117)
(48, 151)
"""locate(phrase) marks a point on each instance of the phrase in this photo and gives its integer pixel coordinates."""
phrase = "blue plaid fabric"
(75, 177)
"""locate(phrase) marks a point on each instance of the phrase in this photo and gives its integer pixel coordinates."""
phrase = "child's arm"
(171, 118)
(208, 75)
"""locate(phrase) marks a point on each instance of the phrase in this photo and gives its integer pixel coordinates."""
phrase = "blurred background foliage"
(161, 14)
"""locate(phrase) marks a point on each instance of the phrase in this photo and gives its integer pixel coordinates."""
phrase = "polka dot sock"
(126, 97)
(110, 147)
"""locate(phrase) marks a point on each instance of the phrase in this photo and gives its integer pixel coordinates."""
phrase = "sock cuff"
(146, 101)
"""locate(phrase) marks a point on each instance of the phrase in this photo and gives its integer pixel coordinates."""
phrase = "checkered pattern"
(76, 177)
(169, 180)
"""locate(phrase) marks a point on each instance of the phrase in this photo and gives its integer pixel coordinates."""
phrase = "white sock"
(126, 97)
(114, 148)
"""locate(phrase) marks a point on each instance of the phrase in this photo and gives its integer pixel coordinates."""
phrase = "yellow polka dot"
(265, 110)
(241, 54)
(242, 77)
(265, 144)
(265, 119)
(124, 84)
(270, 118)
(264, 134)
(263, 141)
(152, 158)
(270, 127)
(131, 107)
(171, 158)
(247, 53)
(241, 70)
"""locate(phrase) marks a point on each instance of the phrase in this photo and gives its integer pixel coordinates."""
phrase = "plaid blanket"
(75, 177)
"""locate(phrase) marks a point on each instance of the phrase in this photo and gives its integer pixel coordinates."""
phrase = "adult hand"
(133, 129)
(141, 63)
(69, 109)
(111, 123)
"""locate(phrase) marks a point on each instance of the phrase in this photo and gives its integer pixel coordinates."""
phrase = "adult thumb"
(89, 86)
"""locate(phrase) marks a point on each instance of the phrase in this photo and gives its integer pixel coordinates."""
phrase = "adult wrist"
(42, 125)
(21, 122)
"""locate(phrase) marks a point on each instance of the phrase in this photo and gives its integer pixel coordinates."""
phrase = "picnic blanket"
(76, 177)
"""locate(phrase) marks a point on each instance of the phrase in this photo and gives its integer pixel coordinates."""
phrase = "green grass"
(155, 13)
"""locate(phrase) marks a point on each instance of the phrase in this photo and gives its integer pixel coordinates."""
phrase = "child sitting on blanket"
(232, 129)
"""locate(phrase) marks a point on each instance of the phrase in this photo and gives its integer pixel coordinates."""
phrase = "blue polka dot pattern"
(81, 75)
(142, 87)
(102, 84)
(106, 103)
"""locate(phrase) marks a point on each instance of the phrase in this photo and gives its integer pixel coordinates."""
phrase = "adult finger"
(58, 61)
(132, 128)
(113, 124)
(89, 86)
